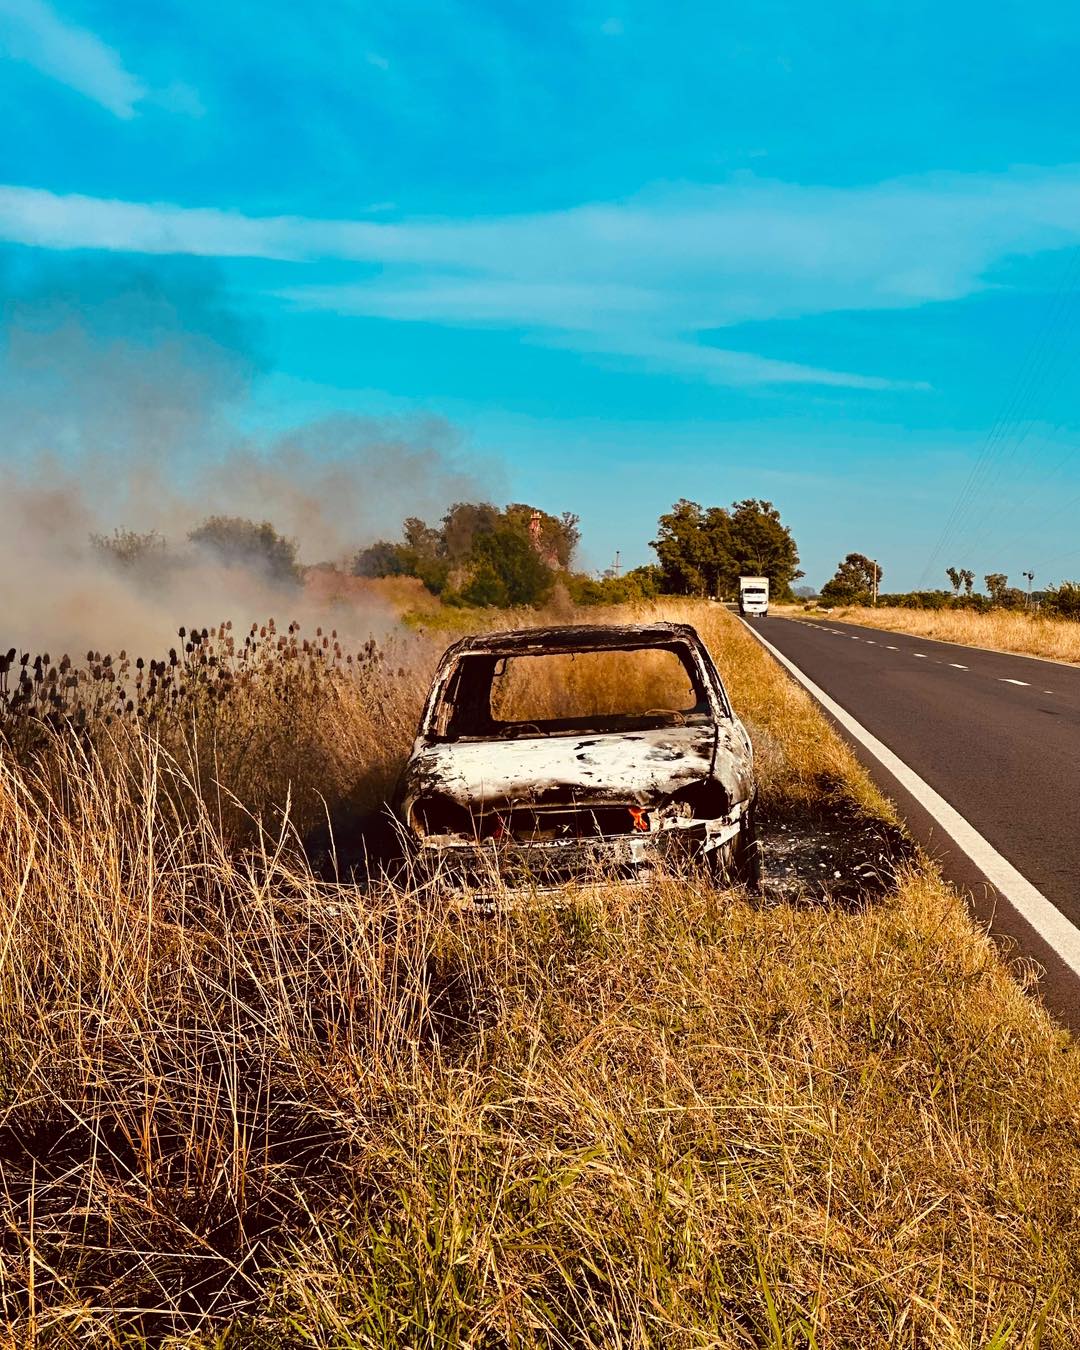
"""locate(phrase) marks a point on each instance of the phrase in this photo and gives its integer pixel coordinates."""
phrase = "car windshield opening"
(511, 695)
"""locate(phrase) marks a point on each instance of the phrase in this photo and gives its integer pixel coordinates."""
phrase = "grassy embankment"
(233, 1095)
(1000, 630)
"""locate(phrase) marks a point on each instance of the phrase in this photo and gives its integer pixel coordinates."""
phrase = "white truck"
(753, 596)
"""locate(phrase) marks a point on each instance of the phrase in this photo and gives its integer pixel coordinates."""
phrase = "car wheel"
(746, 862)
(739, 861)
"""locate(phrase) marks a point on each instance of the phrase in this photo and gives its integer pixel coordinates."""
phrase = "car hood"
(637, 766)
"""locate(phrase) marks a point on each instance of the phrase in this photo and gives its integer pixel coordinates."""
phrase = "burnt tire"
(739, 862)
(746, 859)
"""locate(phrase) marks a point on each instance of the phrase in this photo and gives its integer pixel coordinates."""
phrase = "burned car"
(555, 754)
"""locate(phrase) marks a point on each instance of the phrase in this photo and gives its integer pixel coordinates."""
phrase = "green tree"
(382, 559)
(237, 542)
(704, 552)
(680, 547)
(1064, 600)
(486, 589)
(132, 550)
(640, 583)
(694, 549)
(954, 579)
(853, 582)
(997, 583)
(462, 525)
(510, 557)
(760, 544)
(479, 554)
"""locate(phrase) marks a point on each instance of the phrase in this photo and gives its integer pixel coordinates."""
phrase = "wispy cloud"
(648, 281)
(32, 31)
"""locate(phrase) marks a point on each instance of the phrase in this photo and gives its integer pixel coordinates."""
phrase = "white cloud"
(32, 31)
(719, 365)
(49, 220)
(648, 280)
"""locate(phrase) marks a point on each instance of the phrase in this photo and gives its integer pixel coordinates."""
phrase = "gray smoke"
(122, 386)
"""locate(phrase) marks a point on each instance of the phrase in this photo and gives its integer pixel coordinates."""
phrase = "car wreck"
(549, 755)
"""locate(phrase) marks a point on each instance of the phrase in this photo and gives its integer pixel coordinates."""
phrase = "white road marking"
(921, 655)
(1023, 682)
(957, 666)
(1044, 916)
(871, 642)
(892, 649)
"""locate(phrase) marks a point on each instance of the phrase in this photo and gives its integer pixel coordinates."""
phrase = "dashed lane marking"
(957, 666)
(1044, 916)
(921, 655)
(1022, 682)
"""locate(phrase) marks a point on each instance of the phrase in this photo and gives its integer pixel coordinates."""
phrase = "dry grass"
(590, 684)
(1000, 630)
(241, 1105)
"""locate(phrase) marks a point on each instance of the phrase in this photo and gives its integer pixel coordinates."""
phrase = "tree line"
(704, 550)
(487, 556)
(479, 554)
(857, 581)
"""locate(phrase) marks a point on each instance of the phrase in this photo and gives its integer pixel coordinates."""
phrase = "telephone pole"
(1030, 578)
(875, 580)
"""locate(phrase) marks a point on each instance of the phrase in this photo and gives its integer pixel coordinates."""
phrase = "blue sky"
(630, 252)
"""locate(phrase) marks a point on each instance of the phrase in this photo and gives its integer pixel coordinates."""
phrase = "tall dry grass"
(241, 1105)
(590, 684)
(999, 630)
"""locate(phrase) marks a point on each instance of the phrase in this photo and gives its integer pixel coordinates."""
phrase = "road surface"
(997, 736)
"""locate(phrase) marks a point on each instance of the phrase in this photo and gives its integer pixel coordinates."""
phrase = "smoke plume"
(123, 387)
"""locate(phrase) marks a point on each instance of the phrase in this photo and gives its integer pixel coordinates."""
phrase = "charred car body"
(551, 754)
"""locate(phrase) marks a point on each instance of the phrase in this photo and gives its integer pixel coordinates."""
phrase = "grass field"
(1000, 630)
(241, 1105)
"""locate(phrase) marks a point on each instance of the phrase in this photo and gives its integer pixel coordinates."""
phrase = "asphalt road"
(997, 736)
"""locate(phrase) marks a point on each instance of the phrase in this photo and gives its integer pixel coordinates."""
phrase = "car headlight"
(438, 816)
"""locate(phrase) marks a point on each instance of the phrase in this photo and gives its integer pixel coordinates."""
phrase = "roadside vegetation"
(1006, 630)
(1004, 618)
(245, 1103)
(482, 556)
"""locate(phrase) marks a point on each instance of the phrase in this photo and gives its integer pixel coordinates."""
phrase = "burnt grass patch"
(829, 852)
(826, 850)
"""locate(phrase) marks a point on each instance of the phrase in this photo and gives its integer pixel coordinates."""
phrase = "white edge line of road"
(1044, 916)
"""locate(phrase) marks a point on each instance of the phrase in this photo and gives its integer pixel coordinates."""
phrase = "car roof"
(579, 637)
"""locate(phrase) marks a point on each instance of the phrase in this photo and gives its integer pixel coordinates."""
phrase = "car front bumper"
(487, 868)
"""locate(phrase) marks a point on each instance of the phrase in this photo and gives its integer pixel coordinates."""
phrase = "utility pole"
(1030, 578)
(875, 580)
(615, 569)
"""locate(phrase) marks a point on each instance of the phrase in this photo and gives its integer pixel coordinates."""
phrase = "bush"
(1063, 601)
(641, 583)
(236, 542)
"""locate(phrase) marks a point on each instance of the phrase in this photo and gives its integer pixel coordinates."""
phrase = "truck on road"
(753, 596)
